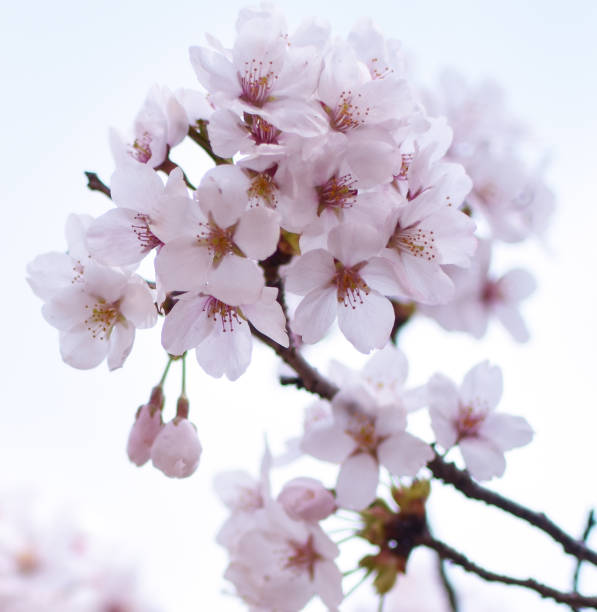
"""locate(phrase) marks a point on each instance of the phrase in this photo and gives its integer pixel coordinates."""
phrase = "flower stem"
(163, 379)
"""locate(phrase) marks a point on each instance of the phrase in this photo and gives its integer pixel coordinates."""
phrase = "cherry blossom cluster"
(49, 563)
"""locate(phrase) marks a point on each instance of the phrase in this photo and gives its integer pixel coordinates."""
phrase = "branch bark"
(446, 552)
(95, 184)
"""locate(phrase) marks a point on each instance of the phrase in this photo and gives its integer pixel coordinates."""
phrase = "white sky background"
(72, 69)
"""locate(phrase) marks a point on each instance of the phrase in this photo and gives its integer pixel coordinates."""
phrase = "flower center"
(414, 241)
(257, 81)
(377, 70)
(101, 319)
(145, 236)
(362, 430)
(407, 159)
(263, 188)
(229, 316)
(351, 287)
(262, 132)
(303, 557)
(491, 293)
(468, 422)
(217, 240)
(338, 193)
(347, 114)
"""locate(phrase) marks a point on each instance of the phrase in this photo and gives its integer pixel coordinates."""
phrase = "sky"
(72, 70)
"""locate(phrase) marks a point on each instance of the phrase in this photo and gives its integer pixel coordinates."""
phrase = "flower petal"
(357, 482)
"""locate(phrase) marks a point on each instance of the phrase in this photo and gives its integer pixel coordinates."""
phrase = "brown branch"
(459, 479)
(168, 165)
(95, 184)
(446, 552)
(585, 536)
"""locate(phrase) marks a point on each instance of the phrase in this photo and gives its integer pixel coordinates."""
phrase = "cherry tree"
(343, 195)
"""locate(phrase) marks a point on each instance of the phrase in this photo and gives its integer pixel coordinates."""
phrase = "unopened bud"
(145, 429)
(177, 449)
(307, 499)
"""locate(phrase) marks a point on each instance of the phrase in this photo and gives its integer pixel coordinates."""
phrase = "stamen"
(218, 241)
(102, 318)
(338, 193)
(415, 241)
(351, 287)
(362, 430)
(229, 315)
(468, 422)
(257, 81)
(348, 114)
(262, 132)
(303, 557)
(145, 236)
(141, 148)
(377, 71)
(263, 188)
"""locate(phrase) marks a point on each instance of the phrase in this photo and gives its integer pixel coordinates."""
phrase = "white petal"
(379, 275)
(357, 482)
(67, 308)
(182, 265)
(328, 443)
(121, 343)
(367, 325)
(315, 314)
(267, 316)
(136, 186)
(226, 352)
(309, 271)
(506, 431)
(403, 454)
(186, 325)
(258, 232)
(223, 193)
(482, 459)
(328, 583)
(235, 281)
(482, 386)
(137, 304)
(80, 349)
(352, 243)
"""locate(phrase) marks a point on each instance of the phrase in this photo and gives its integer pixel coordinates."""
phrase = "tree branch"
(459, 479)
(446, 552)
(585, 536)
(95, 184)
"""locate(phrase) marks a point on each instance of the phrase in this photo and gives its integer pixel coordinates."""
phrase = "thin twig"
(585, 536)
(95, 184)
(459, 479)
(446, 552)
(168, 165)
(447, 585)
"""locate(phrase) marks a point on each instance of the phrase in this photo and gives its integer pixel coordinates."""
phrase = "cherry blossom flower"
(348, 281)
(148, 424)
(49, 273)
(148, 214)
(216, 324)
(280, 564)
(363, 435)
(176, 448)
(306, 499)
(466, 417)
(97, 318)
(479, 297)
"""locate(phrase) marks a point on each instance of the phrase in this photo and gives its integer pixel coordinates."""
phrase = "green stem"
(163, 379)
(381, 602)
(183, 392)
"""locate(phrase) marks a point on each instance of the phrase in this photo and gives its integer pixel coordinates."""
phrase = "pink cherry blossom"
(176, 449)
(148, 424)
(466, 417)
(306, 499)
(363, 435)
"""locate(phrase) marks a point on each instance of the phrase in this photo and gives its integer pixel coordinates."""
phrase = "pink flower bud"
(306, 499)
(177, 449)
(143, 433)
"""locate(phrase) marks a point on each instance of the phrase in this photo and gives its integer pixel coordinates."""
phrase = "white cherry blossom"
(466, 417)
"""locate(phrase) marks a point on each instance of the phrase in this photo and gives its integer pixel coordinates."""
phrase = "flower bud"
(177, 449)
(306, 499)
(143, 433)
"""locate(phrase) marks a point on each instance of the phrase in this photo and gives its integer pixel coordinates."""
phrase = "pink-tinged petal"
(443, 395)
(227, 135)
(49, 273)
(106, 283)
(352, 243)
(68, 308)
(357, 482)
(137, 304)
(175, 217)
(403, 454)
(517, 285)
(137, 187)
(80, 349)
(512, 320)
(328, 443)
(367, 325)
(235, 281)
(226, 352)
(267, 316)
(296, 116)
(214, 71)
(482, 459)
(379, 275)
(506, 431)
(258, 232)
(120, 237)
(415, 399)
(182, 265)
(315, 314)
(327, 580)
(371, 155)
(388, 367)
(310, 271)
(186, 325)
(121, 343)
(482, 386)
(76, 229)
(444, 428)
(391, 420)
(175, 186)
(223, 193)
